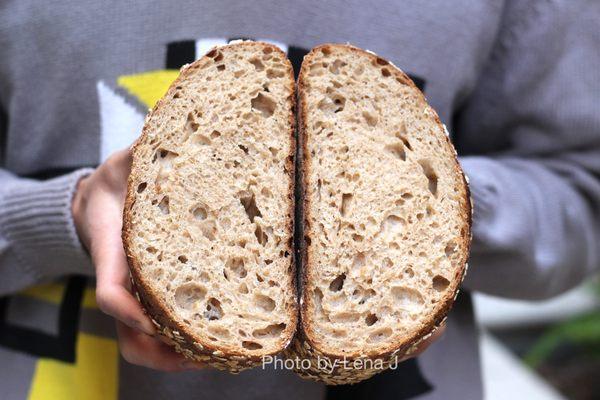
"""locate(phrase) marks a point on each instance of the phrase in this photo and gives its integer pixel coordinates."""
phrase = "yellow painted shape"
(49, 292)
(150, 86)
(53, 293)
(89, 298)
(92, 377)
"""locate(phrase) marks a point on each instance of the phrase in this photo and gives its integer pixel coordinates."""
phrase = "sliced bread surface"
(386, 215)
(208, 220)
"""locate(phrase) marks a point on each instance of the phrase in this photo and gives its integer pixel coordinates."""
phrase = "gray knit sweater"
(516, 82)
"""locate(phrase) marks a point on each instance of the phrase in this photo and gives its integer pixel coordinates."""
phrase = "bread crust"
(173, 332)
(305, 347)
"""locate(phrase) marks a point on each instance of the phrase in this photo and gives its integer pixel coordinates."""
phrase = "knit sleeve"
(532, 129)
(38, 240)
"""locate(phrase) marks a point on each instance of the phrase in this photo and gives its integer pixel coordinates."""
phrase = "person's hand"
(424, 345)
(98, 214)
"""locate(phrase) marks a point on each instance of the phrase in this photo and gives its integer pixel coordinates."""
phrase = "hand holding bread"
(381, 220)
(97, 211)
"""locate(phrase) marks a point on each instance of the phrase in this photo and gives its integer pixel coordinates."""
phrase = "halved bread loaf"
(386, 215)
(208, 220)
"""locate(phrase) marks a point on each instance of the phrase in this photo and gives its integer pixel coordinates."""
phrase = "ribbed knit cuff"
(36, 221)
(479, 172)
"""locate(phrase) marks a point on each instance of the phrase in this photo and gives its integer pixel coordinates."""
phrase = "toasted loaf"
(386, 216)
(208, 220)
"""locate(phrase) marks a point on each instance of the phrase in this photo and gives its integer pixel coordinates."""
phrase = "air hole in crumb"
(261, 236)
(346, 203)
(385, 72)
(243, 148)
(258, 65)
(182, 259)
(317, 298)
(191, 125)
(249, 202)
(387, 262)
(370, 118)
(393, 223)
(264, 104)
(151, 250)
(440, 283)
(213, 309)
(381, 61)
(237, 267)
(251, 345)
(345, 317)
(397, 150)
(335, 66)
(201, 140)
(264, 302)
(359, 260)
(164, 205)
(266, 192)
(432, 178)
(357, 238)
(267, 50)
(371, 319)
(259, 278)
(405, 141)
(221, 67)
(270, 331)
(338, 283)
(199, 213)
(209, 229)
(141, 187)
(326, 51)
(219, 332)
(332, 103)
(275, 73)
(380, 335)
(243, 288)
(188, 295)
(407, 298)
(215, 134)
(450, 249)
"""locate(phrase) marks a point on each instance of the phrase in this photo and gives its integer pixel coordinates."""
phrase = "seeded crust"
(309, 345)
(182, 336)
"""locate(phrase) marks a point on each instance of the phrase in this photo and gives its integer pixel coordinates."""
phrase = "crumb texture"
(387, 218)
(210, 223)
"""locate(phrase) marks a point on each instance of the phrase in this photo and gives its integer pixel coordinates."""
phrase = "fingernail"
(144, 326)
(191, 365)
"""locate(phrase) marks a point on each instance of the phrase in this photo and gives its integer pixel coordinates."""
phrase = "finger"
(140, 349)
(112, 280)
(117, 302)
(424, 344)
(118, 167)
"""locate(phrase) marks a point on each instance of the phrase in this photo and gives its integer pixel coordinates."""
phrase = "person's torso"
(76, 79)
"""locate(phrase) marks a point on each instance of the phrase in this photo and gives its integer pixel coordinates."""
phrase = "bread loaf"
(385, 216)
(208, 220)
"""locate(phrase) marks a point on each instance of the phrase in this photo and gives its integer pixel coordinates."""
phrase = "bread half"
(386, 216)
(208, 220)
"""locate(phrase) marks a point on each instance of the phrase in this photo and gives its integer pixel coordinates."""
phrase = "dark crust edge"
(175, 333)
(304, 347)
